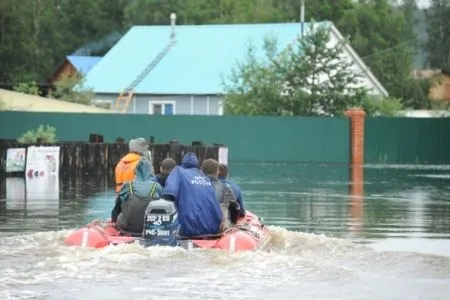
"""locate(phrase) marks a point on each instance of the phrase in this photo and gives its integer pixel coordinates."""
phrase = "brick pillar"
(356, 116)
(356, 197)
(356, 185)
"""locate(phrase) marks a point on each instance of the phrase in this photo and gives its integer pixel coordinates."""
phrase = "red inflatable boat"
(248, 235)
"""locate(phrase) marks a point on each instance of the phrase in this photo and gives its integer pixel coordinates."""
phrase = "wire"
(390, 49)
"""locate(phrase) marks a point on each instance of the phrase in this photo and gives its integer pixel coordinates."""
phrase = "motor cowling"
(161, 223)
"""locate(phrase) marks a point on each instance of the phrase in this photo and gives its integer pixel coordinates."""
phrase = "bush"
(46, 134)
(65, 90)
(388, 107)
(30, 88)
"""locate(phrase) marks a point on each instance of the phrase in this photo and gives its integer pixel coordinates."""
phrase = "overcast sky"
(423, 3)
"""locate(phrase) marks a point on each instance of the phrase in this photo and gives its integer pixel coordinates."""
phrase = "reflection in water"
(356, 197)
(321, 199)
(15, 189)
(399, 212)
(33, 194)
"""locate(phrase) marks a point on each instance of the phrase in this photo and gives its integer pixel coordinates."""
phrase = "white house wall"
(366, 79)
(183, 104)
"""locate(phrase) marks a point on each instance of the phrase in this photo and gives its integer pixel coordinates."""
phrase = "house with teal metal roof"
(186, 78)
(74, 65)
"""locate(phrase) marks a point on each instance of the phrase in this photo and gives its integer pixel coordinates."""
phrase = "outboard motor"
(161, 223)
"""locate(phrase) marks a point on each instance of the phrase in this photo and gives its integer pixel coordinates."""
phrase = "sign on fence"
(15, 159)
(223, 155)
(42, 161)
(42, 172)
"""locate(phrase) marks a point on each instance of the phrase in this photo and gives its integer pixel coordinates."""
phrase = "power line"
(390, 49)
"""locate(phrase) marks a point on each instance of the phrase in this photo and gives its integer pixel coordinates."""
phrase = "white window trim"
(150, 106)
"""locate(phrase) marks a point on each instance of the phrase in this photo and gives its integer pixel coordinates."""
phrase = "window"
(162, 107)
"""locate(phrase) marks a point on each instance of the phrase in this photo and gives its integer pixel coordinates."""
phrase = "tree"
(71, 89)
(308, 78)
(380, 36)
(438, 45)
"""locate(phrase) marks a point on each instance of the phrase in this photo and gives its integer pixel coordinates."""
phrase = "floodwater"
(330, 241)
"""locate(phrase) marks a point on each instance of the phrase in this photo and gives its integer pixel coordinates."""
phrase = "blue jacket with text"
(199, 212)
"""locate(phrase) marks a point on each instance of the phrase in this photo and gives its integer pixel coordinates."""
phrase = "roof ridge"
(231, 25)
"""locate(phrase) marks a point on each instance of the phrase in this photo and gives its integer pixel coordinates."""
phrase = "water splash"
(33, 264)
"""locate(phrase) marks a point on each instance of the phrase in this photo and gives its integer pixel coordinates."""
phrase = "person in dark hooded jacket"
(133, 198)
(199, 212)
(166, 167)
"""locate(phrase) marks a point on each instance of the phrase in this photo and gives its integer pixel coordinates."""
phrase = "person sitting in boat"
(166, 167)
(224, 194)
(224, 177)
(126, 167)
(132, 199)
(199, 212)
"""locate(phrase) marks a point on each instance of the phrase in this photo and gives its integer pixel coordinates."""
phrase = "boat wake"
(33, 264)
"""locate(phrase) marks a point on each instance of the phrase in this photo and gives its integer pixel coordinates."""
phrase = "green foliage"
(36, 36)
(415, 93)
(440, 105)
(47, 134)
(388, 107)
(381, 36)
(71, 89)
(438, 43)
(308, 78)
(30, 88)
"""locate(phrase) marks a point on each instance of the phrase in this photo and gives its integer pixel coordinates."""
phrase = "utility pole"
(302, 16)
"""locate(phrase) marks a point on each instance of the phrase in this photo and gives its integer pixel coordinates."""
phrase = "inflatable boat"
(161, 227)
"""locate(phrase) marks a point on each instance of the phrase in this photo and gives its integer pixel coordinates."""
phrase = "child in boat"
(199, 212)
(133, 198)
(166, 167)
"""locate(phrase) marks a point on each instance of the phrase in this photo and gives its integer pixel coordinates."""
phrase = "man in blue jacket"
(223, 176)
(199, 212)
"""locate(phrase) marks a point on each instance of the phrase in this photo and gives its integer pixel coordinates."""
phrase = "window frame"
(163, 106)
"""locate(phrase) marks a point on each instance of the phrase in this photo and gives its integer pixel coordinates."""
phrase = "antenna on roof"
(302, 17)
(173, 18)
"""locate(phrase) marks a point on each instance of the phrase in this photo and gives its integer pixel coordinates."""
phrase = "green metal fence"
(307, 139)
(407, 140)
(302, 139)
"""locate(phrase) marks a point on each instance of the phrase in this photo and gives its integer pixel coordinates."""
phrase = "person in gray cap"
(132, 200)
(141, 146)
(126, 168)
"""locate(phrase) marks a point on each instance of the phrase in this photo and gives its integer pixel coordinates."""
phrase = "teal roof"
(195, 65)
(83, 63)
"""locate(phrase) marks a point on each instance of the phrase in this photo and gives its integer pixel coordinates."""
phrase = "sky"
(423, 3)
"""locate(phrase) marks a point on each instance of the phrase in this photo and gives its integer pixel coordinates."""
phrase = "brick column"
(356, 116)
(356, 185)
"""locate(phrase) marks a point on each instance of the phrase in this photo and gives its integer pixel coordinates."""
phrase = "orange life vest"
(125, 169)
